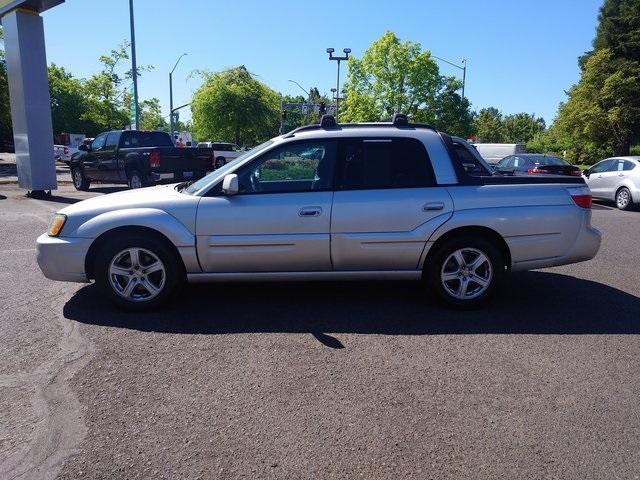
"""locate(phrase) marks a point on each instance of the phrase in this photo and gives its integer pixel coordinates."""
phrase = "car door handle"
(621, 174)
(310, 212)
(433, 206)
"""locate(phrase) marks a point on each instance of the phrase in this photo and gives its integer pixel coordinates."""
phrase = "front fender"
(153, 218)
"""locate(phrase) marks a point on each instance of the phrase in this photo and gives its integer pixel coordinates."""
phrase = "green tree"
(522, 127)
(234, 106)
(392, 76)
(488, 126)
(452, 112)
(619, 29)
(6, 131)
(151, 115)
(68, 103)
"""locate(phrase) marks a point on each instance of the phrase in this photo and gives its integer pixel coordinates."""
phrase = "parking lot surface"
(320, 380)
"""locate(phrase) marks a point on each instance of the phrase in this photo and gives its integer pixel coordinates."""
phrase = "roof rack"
(328, 122)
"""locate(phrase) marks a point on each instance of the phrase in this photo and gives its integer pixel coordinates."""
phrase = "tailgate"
(183, 163)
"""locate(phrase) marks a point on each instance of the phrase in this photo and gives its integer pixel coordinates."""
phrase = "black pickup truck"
(137, 158)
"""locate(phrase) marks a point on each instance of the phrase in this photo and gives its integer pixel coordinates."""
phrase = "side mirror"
(83, 147)
(230, 184)
(586, 172)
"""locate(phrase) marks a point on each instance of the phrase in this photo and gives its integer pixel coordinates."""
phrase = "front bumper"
(62, 258)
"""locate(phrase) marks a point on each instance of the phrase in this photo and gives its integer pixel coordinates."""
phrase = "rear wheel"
(623, 199)
(80, 181)
(137, 273)
(465, 272)
(135, 179)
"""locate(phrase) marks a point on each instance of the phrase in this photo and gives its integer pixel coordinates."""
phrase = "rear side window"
(223, 147)
(383, 163)
(629, 165)
(148, 139)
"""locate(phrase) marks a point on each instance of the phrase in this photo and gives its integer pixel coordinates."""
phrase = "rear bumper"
(62, 258)
(584, 248)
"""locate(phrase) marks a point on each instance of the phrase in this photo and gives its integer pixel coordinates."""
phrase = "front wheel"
(80, 181)
(465, 272)
(220, 162)
(623, 199)
(137, 273)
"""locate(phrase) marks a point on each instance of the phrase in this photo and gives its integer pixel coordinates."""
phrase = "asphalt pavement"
(320, 380)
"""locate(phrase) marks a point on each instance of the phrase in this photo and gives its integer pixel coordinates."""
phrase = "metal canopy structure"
(29, 91)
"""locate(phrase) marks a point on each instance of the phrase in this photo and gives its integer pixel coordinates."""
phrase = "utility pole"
(463, 68)
(134, 68)
(171, 125)
(346, 51)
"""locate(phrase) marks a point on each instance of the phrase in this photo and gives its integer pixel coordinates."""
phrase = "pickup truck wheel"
(220, 162)
(137, 273)
(79, 180)
(465, 272)
(135, 179)
(623, 199)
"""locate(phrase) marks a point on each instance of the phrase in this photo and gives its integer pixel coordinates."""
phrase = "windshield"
(222, 171)
(545, 160)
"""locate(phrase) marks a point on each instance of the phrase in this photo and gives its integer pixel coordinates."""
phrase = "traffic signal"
(323, 108)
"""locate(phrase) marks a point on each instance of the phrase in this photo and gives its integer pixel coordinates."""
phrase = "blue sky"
(522, 55)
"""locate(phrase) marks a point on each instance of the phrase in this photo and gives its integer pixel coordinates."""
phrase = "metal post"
(464, 75)
(338, 92)
(171, 105)
(134, 69)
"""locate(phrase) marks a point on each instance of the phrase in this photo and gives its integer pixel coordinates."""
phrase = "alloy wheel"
(623, 198)
(466, 273)
(137, 274)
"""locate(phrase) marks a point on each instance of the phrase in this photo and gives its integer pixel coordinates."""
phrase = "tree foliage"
(601, 116)
(398, 76)
(5, 109)
(234, 106)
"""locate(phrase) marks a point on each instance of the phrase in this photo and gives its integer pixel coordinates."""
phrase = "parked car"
(225, 152)
(616, 179)
(137, 158)
(494, 152)
(536, 163)
(383, 201)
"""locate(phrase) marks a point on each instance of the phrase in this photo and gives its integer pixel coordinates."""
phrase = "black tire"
(440, 263)
(624, 201)
(80, 181)
(135, 179)
(173, 273)
(220, 162)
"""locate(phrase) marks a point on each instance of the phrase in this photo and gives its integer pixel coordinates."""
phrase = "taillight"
(533, 170)
(575, 173)
(154, 159)
(581, 196)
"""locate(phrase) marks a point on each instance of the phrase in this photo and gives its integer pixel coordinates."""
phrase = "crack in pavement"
(61, 427)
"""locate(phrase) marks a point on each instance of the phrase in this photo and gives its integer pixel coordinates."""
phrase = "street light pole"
(171, 96)
(308, 99)
(346, 51)
(463, 68)
(134, 68)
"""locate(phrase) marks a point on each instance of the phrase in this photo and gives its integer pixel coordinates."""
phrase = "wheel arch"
(148, 232)
(471, 230)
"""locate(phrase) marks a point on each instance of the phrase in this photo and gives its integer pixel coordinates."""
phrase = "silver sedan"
(616, 179)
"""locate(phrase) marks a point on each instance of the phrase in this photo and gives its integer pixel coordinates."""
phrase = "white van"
(494, 152)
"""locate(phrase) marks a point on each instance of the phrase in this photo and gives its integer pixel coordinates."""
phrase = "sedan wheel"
(137, 274)
(623, 199)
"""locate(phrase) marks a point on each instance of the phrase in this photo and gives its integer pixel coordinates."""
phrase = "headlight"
(56, 224)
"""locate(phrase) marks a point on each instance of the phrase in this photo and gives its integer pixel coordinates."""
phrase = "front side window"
(294, 167)
(471, 165)
(98, 142)
(603, 166)
(112, 141)
(384, 163)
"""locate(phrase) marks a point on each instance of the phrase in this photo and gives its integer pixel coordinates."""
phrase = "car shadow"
(531, 303)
